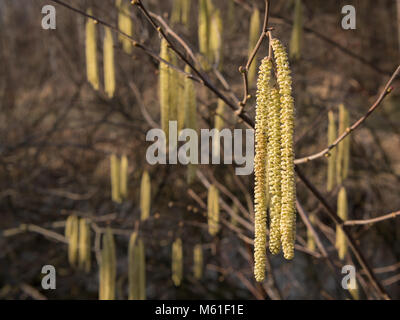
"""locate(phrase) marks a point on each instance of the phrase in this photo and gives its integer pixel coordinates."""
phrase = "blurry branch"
(35, 229)
(356, 124)
(373, 220)
(352, 244)
(32, 292)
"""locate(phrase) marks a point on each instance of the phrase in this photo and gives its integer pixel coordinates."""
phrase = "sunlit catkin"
(198, 261)
(186, 5)
(295, 42)
(109, 70)
(331, 179)
(92, 71)
(204, 32)
(137, 269)
(177, 262)
(213, 210)
(274, 169)
(341, 244)
(108, 268)
(124, 25)
(255, 24)
(72, 235)
(288, 213)
(260, 157)
(164, 88)
(123, 177)
(145, 196)
(84, 245)
(115, 181)
(216, 38)
(190, 106)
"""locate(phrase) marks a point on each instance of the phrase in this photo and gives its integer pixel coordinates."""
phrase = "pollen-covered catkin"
(342, 212)
(72, 235)
(332, 158)
(115, 182)
(274, 169)
(123, 178)
(177, 262)
(92, 71)
(260, 174)
(198, 261)
(137, 269)
(109, 70)
(125, 25)
(108, 268)
(254, 35)
(297, 31)
(145, 196)
(164, 88)
(288, 212)
(213, 210)
(84, 245)
(216, 39)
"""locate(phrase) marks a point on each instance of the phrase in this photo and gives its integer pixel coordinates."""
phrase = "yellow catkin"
(275, 169)
(108, 267)
(343, 153)
(354, 293)
(204, 32)
(124, 24)
(72, 235)
(198, 261)
(216, 39)
(176, 14)
(186, 4)
(213, 210)
(164, 88)
(174, 90)
(180, 101)
(297, 31)
(190, 106)
(145, 196)
(84, 245)
(115, 183)
(177, 262)
(92, 71)
(288, 212)
(109, 70)
(310, 236)
(341, 244)
(219, 123)
(137, 269)
(255, 28)
(123, 177)
(332, 158)
(260, 206)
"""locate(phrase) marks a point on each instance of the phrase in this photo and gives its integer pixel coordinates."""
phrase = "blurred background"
(57, 135)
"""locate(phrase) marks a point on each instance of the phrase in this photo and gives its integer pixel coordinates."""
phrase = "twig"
(373, 220)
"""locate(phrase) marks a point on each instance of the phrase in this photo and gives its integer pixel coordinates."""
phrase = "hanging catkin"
(190, 106)
(176, 11)
(72, 235)
(216, 39)
(332, 158)
(297, 31)
(84, 245)
(288, 213)
(186, 4)
(174, 91)
(164, 88)
(310, 236)
(124, 24)
(109, 71)
(145, 196)
(180, 101)
(260, 209)
(115, 181)
(213, 210)
(137, 269)
(204, 32)
(253, 36)
(123, 178)
(198, 261)
(275, 169)
(177, 262)
(219, 124)
(341, 244)
(108, 268)
(92, 71)
(343, 155)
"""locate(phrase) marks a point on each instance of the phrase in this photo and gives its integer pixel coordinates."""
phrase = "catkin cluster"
(108, 267)
(137, 269)
(145, 196)
(177, 262)
(274, 161)
(119, 178)
(213, 210)
(198, 261)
